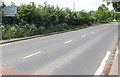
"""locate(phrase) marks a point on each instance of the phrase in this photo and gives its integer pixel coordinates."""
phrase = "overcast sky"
(87, 5)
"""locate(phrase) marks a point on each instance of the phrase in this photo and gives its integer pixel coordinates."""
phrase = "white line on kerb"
(68, 41)
(103, 63)
(92, 32)
(31, 55)
(83, 35)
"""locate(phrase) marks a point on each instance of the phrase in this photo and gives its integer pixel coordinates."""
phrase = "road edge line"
(102, 64)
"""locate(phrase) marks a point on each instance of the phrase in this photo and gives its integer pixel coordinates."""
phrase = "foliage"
(102, 13)
(33, 20)
(115, 4)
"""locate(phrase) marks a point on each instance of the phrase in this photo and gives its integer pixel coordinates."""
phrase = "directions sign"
(9, 11)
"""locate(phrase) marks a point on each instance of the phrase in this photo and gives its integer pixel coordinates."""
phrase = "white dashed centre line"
(31, 55)
(101, 28)
(68, 41)
(91, 27)
(92, 32)
(5, 44)
(98, 30)
(83, 36)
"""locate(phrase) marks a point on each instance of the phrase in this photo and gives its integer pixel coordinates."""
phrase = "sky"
(86, 5)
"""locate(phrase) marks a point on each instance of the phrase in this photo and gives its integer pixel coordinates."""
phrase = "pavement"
(114, 68)
(116, 63)
(77, 52)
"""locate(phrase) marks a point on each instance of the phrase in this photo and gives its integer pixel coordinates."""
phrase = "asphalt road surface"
(72, 53)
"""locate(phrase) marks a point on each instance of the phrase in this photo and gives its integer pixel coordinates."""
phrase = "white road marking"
(4, 44)
(31, 55)
(64, 60)
(68, 41)
(103, 28)
(91, 27)
(98, 30)
(102, 65)
(92, 32)
(83, 36)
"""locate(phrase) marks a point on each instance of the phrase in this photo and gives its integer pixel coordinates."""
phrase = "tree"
(3, 4)
(91, 16)
(103, 13)
(115, 4)
(12, 4)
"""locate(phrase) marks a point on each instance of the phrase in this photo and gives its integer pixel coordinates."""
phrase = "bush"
(46, 19)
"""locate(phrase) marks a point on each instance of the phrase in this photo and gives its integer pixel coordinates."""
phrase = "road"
(72, 53)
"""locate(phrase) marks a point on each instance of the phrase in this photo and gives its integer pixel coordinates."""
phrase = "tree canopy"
(115, 4)
(102, 13)
(43, 19)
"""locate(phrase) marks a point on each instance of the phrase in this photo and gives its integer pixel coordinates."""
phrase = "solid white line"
(116, 51)
(68, 41)
(92, 32)
(83, 36)
(102, 65)
(31, 55)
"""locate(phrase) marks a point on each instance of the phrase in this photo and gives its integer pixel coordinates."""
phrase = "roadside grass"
(17, 31)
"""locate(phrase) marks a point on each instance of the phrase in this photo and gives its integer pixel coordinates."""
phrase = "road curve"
(72, 53)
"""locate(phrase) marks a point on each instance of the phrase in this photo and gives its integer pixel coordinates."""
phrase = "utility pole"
(114, 16)
(73, 5)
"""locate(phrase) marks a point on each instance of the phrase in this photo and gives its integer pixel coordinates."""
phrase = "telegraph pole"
(114, 16)
(73, 5)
